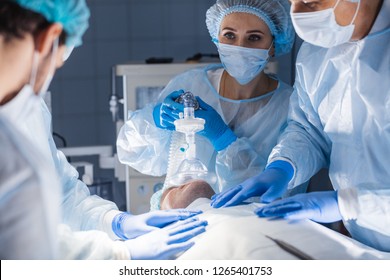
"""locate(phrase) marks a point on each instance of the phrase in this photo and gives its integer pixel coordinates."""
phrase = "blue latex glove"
(127, 226)
(270, 185)
(167, 242)
(219, 134)
(321, 207)
(165, 113)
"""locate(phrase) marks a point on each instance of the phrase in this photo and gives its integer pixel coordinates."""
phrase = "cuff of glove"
(284, 166)
(117, 223)
(348, 203)
(155, 200)
(106, 224)
(224, 140)
(156, 115)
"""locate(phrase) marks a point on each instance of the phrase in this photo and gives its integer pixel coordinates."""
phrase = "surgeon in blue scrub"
(339, 119)
(36, 36)
(245, 109)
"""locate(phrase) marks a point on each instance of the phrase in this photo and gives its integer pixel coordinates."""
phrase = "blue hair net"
(72, 14)
(275, 13)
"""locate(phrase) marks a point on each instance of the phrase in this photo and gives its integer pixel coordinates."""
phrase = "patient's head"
(184, 195)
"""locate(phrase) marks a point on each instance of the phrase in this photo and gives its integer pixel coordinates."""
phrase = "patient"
(184, 195)
(237, 233)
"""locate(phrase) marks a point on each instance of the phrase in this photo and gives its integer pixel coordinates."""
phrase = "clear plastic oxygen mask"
(191, 168)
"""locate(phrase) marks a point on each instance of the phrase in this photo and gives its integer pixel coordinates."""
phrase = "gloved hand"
(321, 207)
(167, 242)
(128, 226)
(270, 185)
(165, 113)
(219, 134)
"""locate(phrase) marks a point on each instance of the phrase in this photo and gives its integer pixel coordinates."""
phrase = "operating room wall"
(124, 31)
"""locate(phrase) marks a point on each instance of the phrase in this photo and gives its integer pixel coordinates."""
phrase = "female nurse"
(244, 108)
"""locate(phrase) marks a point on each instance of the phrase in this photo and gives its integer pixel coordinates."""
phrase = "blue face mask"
(243, 64)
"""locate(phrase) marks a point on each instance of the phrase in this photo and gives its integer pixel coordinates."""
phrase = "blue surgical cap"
(275, 13)
(72, 14)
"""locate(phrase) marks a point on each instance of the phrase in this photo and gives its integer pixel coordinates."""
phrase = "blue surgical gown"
(257, 122)
(340, 119)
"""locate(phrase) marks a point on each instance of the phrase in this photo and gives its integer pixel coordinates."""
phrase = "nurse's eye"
(311, 5)
(254, 38)
(229, 35)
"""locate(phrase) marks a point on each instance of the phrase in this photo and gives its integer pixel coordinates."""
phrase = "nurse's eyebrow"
(249, 31)
(229, 28)
(255, 31)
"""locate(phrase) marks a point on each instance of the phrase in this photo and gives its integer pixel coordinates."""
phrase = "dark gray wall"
(124, 31)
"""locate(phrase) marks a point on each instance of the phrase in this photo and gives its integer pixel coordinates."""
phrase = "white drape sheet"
(237, 233)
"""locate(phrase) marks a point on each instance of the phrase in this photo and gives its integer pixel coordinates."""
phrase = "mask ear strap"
(270, 48)
(34, 69)
(337, 3)
(356, 13)
(54, 54)
(272, 44)
(52, 65)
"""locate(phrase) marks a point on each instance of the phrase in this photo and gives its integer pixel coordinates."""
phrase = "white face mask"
(243, 64)
(34, 71)
(67, 53)
(321, 29)
(21, 107)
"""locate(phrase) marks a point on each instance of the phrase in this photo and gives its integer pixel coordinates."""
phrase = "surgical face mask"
(49, 77)
(67, 53)
(321, 29)
(243, 64)
(28, 103)
(24, 106)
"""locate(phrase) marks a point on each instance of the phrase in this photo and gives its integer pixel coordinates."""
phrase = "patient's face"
(184, 195)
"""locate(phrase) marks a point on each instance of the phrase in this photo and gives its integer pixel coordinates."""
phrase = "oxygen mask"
(191, 168)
